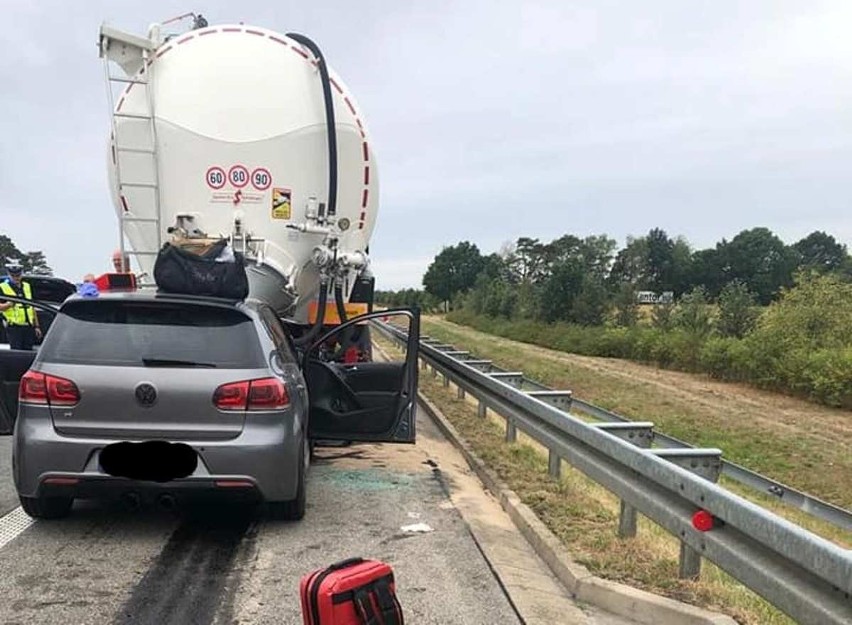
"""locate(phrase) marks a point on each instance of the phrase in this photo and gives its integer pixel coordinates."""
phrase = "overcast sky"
(491, 120)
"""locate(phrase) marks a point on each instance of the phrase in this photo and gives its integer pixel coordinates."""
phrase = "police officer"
(22, 327)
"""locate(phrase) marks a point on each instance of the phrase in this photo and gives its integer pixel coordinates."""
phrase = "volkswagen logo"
(146, 394)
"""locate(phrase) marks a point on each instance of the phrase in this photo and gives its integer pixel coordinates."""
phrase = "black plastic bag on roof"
(177, 270)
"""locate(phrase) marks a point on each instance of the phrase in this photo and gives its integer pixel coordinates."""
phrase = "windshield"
(138, 334)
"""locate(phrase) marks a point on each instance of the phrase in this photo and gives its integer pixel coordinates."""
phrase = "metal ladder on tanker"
(129, 144)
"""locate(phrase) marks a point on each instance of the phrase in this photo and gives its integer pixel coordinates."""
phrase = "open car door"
(13, 365)
(365, 401)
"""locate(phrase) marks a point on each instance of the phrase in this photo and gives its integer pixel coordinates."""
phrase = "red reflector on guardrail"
(703, 521)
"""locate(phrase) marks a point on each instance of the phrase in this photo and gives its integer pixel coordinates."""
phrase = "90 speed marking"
(216, 177)
(261, 179)
(238, 176)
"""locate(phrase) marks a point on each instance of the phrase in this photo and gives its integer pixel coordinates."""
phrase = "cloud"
(491, 121)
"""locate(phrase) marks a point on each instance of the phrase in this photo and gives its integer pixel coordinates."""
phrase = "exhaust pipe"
(167, 502)
(131, 501)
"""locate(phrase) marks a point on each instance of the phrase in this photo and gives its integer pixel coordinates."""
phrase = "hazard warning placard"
(281, 207)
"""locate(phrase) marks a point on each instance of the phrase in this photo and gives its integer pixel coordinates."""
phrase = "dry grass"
(585, 516)
(778, 436)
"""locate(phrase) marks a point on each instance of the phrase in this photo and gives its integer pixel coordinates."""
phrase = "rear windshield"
(136, 334)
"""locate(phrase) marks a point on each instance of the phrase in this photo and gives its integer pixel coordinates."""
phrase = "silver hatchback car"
(148, 396)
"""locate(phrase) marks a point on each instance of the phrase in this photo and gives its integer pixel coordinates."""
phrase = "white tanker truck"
(239, 132)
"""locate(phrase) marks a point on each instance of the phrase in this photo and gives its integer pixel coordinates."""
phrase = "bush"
(724, 358)
(802, 344)
(736, 310)
(829, 376)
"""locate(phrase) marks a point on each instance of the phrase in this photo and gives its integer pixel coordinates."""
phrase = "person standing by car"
(120, 262)
(22, 326)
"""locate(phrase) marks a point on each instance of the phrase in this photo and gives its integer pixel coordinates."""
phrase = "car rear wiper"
(165, 362)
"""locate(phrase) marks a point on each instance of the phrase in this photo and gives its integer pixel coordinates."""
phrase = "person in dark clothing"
(22, 327)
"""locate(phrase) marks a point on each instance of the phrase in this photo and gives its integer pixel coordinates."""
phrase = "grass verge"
(584, 517)
(792, 456)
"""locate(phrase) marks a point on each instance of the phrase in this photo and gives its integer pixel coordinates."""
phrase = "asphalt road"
(218, 565)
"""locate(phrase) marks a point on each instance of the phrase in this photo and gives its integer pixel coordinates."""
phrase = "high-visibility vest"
(18, 314)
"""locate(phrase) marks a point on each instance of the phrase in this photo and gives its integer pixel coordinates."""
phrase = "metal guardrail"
(813, 506)
(802, 574)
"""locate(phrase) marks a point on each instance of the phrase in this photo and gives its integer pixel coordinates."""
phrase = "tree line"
(32, 262)
(751, 309)
(582, 280)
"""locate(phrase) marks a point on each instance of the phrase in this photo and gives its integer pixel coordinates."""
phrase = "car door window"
(279, 334)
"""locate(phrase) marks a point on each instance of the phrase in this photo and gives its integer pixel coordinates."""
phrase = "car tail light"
(233, 396)
(40, 388)
(268, 394)
(263, 394)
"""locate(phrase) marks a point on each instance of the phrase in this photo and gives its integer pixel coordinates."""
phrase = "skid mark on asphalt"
(188, 581)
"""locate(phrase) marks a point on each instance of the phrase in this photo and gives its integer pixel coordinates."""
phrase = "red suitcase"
(351, 592)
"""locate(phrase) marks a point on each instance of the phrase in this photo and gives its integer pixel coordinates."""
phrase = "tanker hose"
(305, 339)
(338, 300)
(329, 120)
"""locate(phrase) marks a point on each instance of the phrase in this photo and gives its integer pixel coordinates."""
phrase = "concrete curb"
(632, 603)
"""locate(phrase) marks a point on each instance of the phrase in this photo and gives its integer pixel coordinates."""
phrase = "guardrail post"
(446, 381)
(554, 464)
(511, 431)
(641, 434)
(626, 521)
(481, 410)
(689, 566)
(706, 463)
(460, 392)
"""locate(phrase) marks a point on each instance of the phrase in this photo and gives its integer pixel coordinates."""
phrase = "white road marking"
(13, 525)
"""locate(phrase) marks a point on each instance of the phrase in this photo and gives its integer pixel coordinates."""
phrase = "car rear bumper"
(262, 462)
(107, 487)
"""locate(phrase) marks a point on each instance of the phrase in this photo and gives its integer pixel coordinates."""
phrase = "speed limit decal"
(233, 187)
(216, 178)
(261, 179)
(238, 176)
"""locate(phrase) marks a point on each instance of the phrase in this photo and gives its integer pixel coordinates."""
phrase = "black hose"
(346, 336)
(338, 300)
(329, 120)
(312, 333)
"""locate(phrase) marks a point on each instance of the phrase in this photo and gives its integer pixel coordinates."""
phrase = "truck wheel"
(47, 507)
(294, 509)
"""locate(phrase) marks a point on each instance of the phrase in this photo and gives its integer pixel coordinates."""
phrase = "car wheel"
(294, 509)
(47, 507)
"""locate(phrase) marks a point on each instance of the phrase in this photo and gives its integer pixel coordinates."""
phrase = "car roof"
(149, 295)
(46, 288)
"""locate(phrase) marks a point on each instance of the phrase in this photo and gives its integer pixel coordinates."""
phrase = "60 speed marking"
(216, 177)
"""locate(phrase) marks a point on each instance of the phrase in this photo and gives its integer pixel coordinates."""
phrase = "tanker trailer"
(239, 132)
